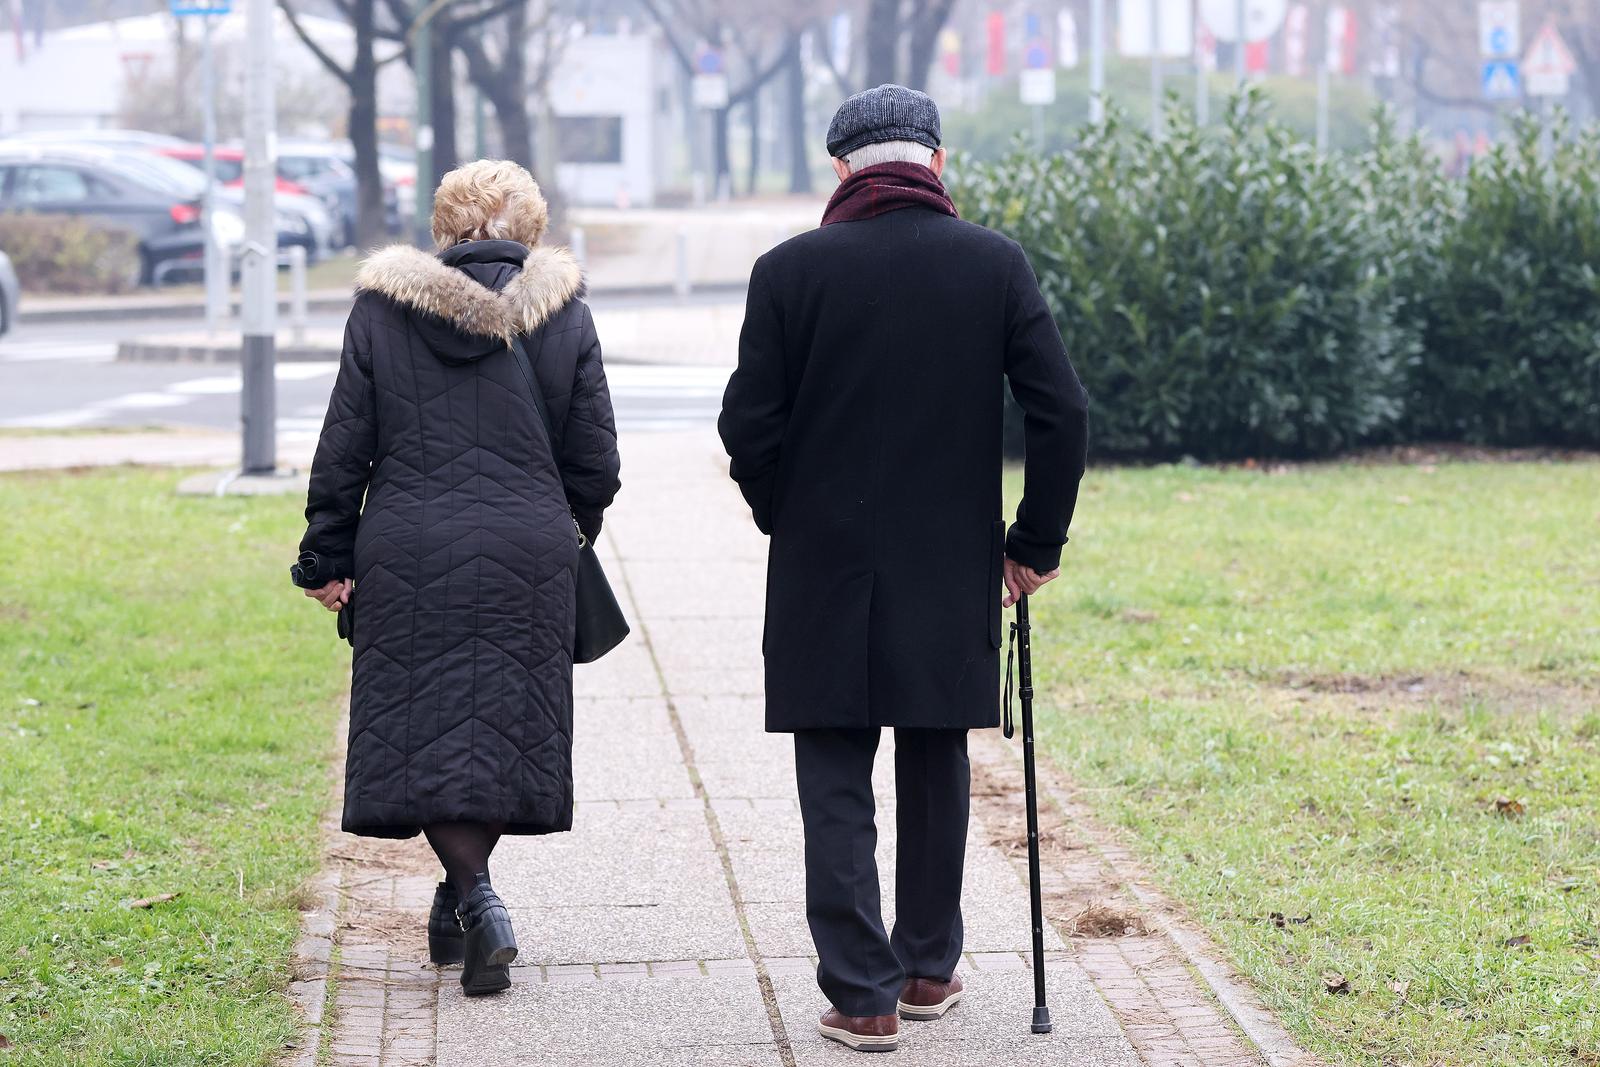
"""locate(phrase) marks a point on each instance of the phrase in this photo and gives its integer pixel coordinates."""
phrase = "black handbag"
(601, 626)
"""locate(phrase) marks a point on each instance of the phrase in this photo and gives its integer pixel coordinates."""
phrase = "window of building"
(590, 138)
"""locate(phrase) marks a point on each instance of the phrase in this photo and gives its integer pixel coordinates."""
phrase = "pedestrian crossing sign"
(1501, 80)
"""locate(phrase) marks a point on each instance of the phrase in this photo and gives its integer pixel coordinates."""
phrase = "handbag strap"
(526, 367)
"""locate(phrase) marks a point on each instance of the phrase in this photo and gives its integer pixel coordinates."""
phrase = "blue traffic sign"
(1036, 56)
(1502, 80)
(182, 8)
(709, 61)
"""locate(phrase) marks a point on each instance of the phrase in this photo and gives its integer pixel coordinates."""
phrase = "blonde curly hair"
(488, 199)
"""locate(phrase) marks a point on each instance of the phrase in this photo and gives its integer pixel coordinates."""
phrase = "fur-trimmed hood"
(550, 277)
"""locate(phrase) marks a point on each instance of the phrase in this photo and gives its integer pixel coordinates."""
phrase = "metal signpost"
(710, 93)
(1097, 60)
(1037, 83)
(258, 400)
(217, 269)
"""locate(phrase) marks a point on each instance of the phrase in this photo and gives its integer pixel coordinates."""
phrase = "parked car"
(113, 189)
(101, 137)
(10, 294)
(319, 168)
(318, 234)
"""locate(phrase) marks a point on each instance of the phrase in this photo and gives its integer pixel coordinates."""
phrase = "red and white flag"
(1341, 56)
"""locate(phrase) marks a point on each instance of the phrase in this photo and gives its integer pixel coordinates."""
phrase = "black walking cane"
(1022, 643)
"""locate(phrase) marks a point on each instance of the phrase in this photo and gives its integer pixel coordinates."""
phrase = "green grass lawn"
(167, 707)
(1369, 695)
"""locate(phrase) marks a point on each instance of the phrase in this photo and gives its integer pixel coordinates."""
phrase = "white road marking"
(175, 395)
(41, 351)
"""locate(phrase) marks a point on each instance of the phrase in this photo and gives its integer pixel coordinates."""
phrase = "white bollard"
(580, 246)
(680, 284)
(297, 293)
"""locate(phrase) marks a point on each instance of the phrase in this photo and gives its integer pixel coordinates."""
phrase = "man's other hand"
(1024, 581)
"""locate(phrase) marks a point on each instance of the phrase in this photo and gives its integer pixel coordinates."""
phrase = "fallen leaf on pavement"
(1335, 983)
(150, 902)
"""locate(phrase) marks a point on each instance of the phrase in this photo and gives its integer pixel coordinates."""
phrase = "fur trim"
(550, 277)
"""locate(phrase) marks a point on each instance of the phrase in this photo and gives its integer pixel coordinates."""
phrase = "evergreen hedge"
(1225, 292)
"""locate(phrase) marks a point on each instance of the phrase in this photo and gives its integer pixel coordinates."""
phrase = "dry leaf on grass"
(1519, 941)
(1509, 807)
(5, 1042)
(1400, 988)
(1335, 983)
(1280, 920)
(150, 902)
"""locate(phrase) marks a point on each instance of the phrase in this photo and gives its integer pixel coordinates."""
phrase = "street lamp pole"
(1097, 60)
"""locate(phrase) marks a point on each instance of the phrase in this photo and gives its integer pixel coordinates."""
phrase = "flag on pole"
(996, 25)
(1341, 38)
(1295, 49)
(1066, 39)
(950, 52)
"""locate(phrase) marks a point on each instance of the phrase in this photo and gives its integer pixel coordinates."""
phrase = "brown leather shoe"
(924, 999)
(864, 1033)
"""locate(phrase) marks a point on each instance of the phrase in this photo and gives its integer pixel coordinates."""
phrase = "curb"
(222, 349)
(323, 302)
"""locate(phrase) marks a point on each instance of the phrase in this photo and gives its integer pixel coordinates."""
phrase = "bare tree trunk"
(794, 85)
(370, 230)
(442, 100)
(929, 20)
(883, 41)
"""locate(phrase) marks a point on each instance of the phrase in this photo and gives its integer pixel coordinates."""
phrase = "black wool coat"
(864, 427)
(464, 550)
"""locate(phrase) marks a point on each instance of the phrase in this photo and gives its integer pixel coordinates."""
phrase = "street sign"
(1173, 31)
(1066, 39)
(1262, 18)
(710, 86)
(1549, 64)
(1501, 80)
(1499, 29)
(1038, 86)
(182, 8)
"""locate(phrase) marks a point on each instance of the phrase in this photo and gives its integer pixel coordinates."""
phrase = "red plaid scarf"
(884, 187)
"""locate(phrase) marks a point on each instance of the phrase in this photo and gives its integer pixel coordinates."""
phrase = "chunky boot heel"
(445, 937)
(489, 944)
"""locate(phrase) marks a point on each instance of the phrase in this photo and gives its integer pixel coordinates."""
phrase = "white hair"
(889, 152)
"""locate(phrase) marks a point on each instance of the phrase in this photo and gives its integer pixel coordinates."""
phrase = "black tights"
(463, 848)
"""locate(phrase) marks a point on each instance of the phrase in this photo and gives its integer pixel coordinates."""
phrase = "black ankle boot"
(444, 929)
(489, 945)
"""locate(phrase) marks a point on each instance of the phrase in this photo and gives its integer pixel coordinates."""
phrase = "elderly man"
(864, 426)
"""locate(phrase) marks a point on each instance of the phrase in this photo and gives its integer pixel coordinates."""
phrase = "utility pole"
(422, 67)
(1155, 69)
(1322, 84)
(1097, 61)
(216, 264)
(1238, 41)
(258, 401)
(1202, 78)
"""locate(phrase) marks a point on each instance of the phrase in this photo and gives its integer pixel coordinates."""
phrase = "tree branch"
(323, 57)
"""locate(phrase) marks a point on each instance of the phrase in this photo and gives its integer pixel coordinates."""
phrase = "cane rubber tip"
(1041, 1020)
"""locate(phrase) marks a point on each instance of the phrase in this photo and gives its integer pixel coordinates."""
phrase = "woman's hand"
(334, 595)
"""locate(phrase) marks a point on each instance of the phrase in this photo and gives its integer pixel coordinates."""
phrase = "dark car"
(10, 294)
(111, 189)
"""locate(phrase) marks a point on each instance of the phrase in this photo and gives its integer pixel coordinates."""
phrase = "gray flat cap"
(887, 113)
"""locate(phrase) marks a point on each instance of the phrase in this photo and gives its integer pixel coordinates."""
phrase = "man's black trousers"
(862, 968)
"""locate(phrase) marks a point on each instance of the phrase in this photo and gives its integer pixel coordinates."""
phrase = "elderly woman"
(444, 518)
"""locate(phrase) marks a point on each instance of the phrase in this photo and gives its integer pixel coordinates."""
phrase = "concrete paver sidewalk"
(668, 927)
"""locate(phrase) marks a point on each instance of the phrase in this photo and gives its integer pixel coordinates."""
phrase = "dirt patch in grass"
(1445, 690)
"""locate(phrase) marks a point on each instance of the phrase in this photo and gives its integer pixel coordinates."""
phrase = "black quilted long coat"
(463, 553)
